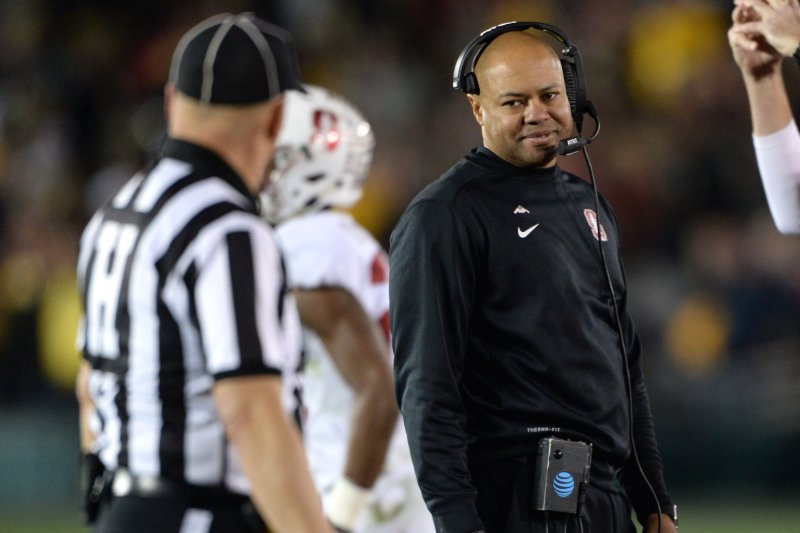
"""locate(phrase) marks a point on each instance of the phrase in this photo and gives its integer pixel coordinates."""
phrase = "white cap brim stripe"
(207, 86)
(186, 39)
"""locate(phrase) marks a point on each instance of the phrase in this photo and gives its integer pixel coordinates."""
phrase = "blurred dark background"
(714, 288)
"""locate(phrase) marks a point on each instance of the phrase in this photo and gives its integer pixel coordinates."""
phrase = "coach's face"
(522, 108)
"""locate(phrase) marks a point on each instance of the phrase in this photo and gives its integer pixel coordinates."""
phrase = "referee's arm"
(271, 452)
(238, 296)
(85, 407)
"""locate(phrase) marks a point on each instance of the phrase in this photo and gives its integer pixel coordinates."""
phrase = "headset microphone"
(571, 145)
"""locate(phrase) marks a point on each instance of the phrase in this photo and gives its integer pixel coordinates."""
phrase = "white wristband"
(345, 502)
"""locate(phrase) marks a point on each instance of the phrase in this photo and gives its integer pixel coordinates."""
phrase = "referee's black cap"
(235, 59)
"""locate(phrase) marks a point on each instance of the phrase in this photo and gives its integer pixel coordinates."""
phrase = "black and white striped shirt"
(182, 284)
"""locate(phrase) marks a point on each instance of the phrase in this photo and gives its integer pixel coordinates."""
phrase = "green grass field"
(740, 517)
(728, 515)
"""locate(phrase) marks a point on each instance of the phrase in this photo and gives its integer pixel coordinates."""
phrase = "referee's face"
(523, 108)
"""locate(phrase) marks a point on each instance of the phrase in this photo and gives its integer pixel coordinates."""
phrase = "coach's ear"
(477, 110)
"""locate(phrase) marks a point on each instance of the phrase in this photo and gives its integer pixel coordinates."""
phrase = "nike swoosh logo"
(527, 232)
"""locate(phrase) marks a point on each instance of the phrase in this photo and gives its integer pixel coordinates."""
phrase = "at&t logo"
(563, 484)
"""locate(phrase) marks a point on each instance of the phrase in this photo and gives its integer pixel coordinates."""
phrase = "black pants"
(503, 507)
(172, 514)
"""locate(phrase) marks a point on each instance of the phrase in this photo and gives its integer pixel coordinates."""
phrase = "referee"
(189, 336)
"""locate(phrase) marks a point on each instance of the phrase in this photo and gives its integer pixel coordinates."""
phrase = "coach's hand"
(667, 525)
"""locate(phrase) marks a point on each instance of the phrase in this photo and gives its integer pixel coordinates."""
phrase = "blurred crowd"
(714, 288)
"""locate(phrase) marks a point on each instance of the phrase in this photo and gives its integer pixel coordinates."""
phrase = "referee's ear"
(275, 119)
(169, 95)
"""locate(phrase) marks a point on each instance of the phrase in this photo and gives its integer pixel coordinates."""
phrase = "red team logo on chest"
(591, 219)
(380, 274)
(380, 268)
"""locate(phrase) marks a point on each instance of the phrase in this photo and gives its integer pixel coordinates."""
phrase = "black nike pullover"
(504, 332)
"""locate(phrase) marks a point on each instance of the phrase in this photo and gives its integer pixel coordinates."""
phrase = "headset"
(464, 78)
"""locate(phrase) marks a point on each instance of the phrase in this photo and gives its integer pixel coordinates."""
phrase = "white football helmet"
(322, 155)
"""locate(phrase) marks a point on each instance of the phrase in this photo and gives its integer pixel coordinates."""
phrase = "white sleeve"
(778, 157)
(320, 256)
(238, 297)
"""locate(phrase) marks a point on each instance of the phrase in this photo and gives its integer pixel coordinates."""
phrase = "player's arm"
(769, 103)
(775, 135)
(271, 453)
(360, 352)
(778, 158)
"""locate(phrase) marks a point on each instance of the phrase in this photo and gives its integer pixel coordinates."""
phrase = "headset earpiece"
(571, 85)
(471, 83)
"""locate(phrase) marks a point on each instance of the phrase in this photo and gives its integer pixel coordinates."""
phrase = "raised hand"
(751, 51)
(777, 21)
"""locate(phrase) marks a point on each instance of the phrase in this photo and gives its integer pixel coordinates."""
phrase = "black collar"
(207, 162)
(486, 158)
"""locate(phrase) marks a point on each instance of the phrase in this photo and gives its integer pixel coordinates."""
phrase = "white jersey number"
(114, 244)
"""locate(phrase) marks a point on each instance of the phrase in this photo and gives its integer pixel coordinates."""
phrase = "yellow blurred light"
(59, 316)
(697, 334)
